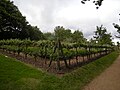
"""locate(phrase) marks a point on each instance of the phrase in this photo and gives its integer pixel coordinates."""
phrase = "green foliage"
(14, 25)
(118, 29)
(66, 35)
(78, 37)
(50, 49)
(34, 33)
(63, 34)
(102, 37)
(49, 36)
(59, 32)
(118, 45)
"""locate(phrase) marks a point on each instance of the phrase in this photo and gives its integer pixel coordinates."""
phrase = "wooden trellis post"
(58, 49)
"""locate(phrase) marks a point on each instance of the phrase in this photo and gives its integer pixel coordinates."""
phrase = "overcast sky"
(47, 14)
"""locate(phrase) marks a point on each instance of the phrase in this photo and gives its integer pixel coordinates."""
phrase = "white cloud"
(47, 14)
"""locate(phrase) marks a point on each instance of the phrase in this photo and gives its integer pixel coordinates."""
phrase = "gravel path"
(108, 80)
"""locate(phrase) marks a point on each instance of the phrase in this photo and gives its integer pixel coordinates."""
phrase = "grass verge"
(15, 75)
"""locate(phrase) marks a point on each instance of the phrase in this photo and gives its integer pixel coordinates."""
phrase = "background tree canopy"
(118, 29)
(14, 25)
(102, 37)
(67, 36)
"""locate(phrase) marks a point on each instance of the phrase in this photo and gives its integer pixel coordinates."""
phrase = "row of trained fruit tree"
(54, 51)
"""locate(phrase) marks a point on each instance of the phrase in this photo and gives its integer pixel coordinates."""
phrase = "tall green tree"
(49, 36)
(102, 37)
(92, 41)
(118, 29)
(68, 35)
(12, 23)
(77, 36)
(59, 33)
(62, 34)
(118, 45)
(34, 33)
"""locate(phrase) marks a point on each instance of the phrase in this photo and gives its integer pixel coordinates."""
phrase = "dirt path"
(108, 80)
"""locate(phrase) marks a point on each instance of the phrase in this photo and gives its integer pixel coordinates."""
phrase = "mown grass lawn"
(15, 75)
